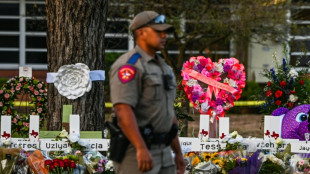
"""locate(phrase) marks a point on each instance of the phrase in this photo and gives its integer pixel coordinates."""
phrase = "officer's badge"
(126, 73)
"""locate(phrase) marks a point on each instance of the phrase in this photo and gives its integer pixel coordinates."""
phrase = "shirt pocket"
(152, 87)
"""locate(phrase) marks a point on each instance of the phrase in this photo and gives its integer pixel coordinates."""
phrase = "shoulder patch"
(126, 73)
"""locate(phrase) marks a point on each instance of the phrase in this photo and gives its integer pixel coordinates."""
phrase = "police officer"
(143, 92)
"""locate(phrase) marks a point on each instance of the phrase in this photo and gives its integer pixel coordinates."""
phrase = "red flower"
(269, 83)
(56, 163)
(48, 162)
(52, 167)
(67, 162)
(301, 82)
(278, 93)
(180, 87)
(269, 93)
(290, 104)
(292, 92)
(282, 84)
(61, 163)
(72, 165)
(278, 102)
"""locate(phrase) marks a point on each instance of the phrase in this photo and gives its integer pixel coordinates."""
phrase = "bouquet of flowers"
(62, 164)
(286, 87)
(97, 163)
(233, 141)
(74, 140)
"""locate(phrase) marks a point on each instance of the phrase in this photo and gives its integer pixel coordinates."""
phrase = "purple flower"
(219, 101)
(194, 98)
(199, 67)
(227, 67)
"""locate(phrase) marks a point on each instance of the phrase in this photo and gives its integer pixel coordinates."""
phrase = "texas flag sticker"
(126, 73)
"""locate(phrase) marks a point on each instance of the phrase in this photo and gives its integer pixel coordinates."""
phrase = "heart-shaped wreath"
(220, 83)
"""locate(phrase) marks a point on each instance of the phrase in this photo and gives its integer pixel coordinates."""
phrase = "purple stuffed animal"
(294, 122)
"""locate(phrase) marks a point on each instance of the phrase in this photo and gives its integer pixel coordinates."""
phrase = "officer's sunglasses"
(161, 19)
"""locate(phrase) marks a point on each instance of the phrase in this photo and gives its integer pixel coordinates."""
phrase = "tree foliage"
(207, 25)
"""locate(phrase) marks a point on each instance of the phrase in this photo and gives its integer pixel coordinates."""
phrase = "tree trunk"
(242, 53)
(75, 34)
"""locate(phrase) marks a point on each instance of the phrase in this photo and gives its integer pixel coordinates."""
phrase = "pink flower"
(185, 76)
(212, 103)
(21, 79)
(1, 104)
(222, 95)
(1, 91)
(39, 110)
(41, 91)
(219, 109)
(39, 85)
(6, 96)
(33, 113)
(203, 61)
(27, 125)
(17, 88)
(24, 123)
(230, 62)
(14, 120)
(39, 98)
(19, 84)
(192, 59)
(188, 65)
(36, 92)
(12, 90)
(31, 88)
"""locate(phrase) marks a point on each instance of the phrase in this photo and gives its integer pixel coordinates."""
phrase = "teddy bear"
(294, 122)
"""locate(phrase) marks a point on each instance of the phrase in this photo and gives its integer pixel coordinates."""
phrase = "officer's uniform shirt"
(141, 85)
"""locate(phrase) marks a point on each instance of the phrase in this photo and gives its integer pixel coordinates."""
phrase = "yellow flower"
(244, 159)
(195, 161)
(219, 162)
(214, 155)
(206, 156)
(190, 154)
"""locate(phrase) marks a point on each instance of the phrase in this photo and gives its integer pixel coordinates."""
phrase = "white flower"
(292, 98)
(196, 62)
(232, 83)
(293, 73)
(63, 133)
(204, 139)
(191, 82)
(205, 106)
(109, 166)
(234, 134)
(74, 138)
(72, 81)
(222, 61)
(6, 142)
(226, 80)
(83, 143)
(68, 150)
(279, 141)
(232, 141)
(219, 67)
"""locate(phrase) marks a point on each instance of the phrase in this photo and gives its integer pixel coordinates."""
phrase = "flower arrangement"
(97, 163)
(233, 162)
(233, 141)
(225, 74)
(74, 140)
(19, 86)
(286, 87)
(61, 164)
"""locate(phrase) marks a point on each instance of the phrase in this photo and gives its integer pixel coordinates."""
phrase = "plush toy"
(294, 122)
